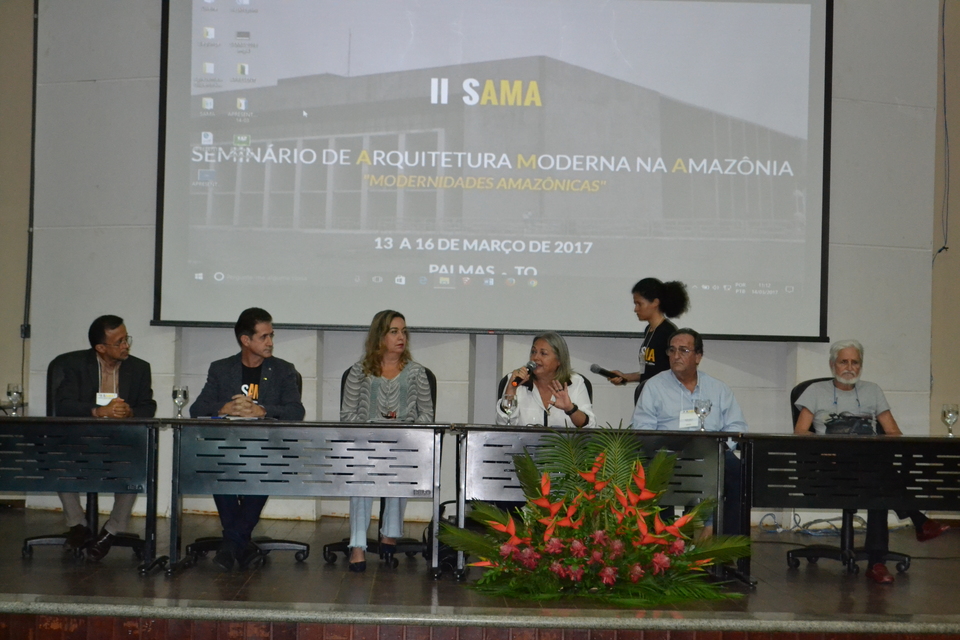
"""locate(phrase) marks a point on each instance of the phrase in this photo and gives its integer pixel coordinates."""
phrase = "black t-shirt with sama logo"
(250, 384)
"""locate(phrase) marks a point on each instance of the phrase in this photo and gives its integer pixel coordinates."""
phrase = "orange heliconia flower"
(591, 476)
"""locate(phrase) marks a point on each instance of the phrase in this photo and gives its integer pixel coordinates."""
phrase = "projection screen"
(494, 165)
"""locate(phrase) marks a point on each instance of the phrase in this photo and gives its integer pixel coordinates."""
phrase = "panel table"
(853, 472)
(485, 465)
(84, 455)
(303, 459)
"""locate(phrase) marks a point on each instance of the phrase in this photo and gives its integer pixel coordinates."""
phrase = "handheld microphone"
(530, 366)
(595, 368)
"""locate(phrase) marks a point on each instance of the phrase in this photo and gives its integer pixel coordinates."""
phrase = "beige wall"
(16, 78)
(945, 323)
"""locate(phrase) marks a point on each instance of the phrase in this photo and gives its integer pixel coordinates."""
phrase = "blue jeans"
(238, 516)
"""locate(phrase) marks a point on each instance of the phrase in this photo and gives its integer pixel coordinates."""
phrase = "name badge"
(103, 399)
(689, 420)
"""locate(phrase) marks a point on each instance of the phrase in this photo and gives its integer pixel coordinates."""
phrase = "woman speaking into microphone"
(546, 391)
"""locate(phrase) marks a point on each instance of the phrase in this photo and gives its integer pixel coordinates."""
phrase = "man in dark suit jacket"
(251, 384)
(104, 381)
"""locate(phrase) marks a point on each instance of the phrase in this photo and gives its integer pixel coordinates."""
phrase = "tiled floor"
(928, 591)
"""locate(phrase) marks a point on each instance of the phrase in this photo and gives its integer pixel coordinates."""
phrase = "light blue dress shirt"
(664, 397)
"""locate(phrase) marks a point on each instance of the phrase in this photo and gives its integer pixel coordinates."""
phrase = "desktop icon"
(243, 35)
(198, 276)
(209, 33)
(206, 137)
(488, 282)
(241, 140)
(400, 280)
(424, 280)
(511, 282)
(208, 67)
(243, 69)
(242, 104)
(444, 280)
(206, 103)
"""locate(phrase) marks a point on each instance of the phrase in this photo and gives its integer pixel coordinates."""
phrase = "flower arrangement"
(592, 527)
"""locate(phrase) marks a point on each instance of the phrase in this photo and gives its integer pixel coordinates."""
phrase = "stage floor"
(816, 597)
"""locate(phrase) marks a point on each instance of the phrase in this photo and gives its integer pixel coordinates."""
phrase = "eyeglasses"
(126, 341)
(683, 351)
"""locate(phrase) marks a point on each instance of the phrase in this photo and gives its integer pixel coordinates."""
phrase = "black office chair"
(409, 546)
(262, 544)
(55, 375)
(503, 385)
(637, 391)
(846, 553)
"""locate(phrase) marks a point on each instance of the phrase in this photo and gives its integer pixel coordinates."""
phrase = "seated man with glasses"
(668, 400)
(104, 381)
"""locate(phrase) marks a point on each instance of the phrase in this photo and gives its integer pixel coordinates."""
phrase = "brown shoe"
(930, 530)
(879, 574)
(101, 546)
(77, 537)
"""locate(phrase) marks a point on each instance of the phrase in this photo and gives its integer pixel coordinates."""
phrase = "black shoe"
(250, 554)
(357, 567)
(225, 558)
(77, 537)
(101, 546)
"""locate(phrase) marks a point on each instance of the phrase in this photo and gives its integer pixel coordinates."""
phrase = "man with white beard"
(849, 405)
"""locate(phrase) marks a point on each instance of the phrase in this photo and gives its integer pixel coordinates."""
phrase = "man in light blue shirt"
(667, 403)
(668, 398)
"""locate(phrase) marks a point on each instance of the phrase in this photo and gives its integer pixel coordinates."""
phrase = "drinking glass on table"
(702, 408)
(15, 396)
(509, 404)
(180, 397)
(949, 415)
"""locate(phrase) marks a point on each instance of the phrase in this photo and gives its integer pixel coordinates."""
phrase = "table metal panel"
(83, 455)
(297, 459)
(306, 460)
(865, 472)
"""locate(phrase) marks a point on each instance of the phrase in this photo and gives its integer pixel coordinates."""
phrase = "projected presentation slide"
(482, 165)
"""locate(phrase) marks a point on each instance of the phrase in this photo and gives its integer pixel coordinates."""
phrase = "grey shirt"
(823, 399)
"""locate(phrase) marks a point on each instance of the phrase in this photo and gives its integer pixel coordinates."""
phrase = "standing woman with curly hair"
(385, 386)
(653, 302)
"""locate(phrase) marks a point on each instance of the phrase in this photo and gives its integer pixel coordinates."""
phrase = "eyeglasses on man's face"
(128, 341)
(681, 351)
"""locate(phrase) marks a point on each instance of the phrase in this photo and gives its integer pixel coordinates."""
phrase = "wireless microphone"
(530, 366)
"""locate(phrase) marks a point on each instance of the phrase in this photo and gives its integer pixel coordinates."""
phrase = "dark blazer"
(76, 394)
(279, 391)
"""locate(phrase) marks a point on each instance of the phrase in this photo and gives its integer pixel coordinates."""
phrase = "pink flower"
(575, 573)
(529, 557)
(599, 537)
(554, 546)
(660, 563)
(507, 550)
(558, 568)
(608, 575)
(677, 547)
(596, 557)
(616, 549)
(636, 572)
(578, 549)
